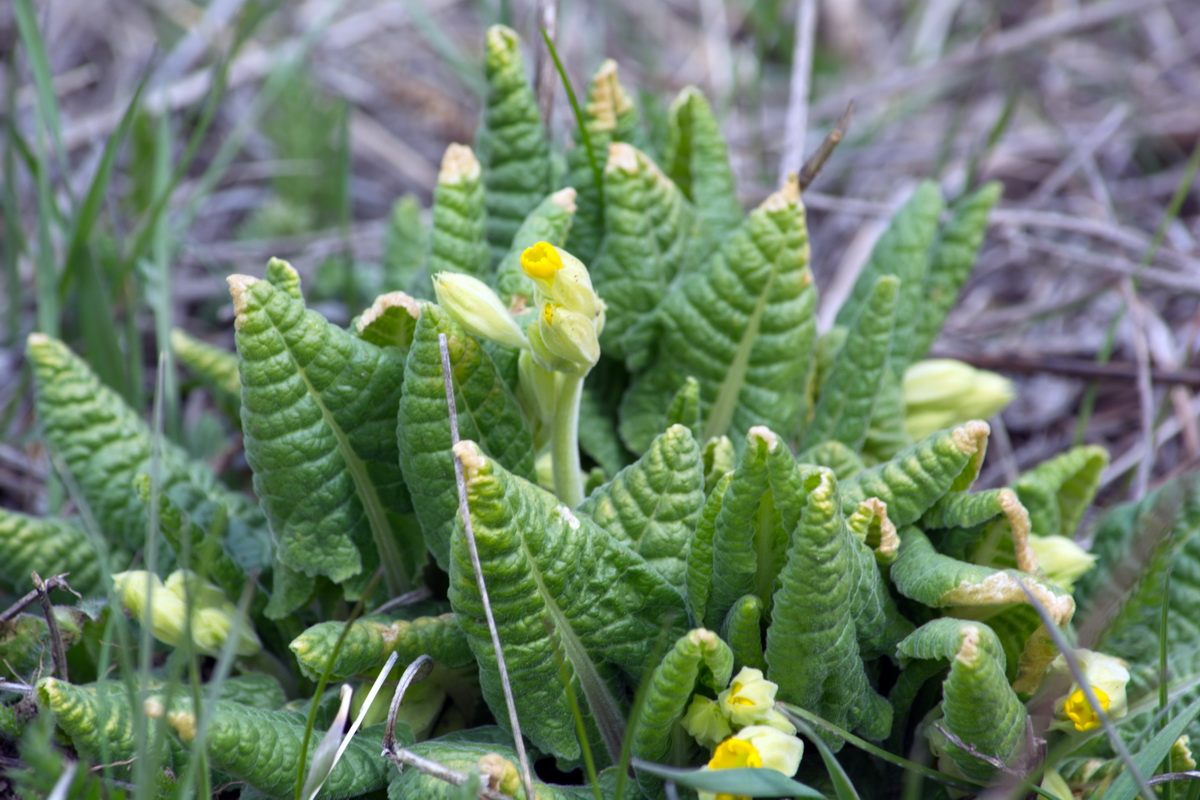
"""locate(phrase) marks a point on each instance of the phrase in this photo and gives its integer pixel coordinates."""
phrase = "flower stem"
(568, 480)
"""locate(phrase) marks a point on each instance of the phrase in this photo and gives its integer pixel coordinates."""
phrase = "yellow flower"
(1077, 709)
(749, 698)
(541, 262)
(1107, 676)
(756, 746)
(561, 278)
(705, 722)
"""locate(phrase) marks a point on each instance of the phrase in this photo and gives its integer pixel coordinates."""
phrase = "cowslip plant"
(762, 531)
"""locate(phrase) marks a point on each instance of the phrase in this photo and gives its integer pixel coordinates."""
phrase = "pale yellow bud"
(569, 336)
(474, 305)
(1061, 559)
(940, 393)
(705, 722)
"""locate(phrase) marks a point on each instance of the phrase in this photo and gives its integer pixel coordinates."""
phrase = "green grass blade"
(842, 785)
(597, 175)
(39, 65)
(585, 745)
(1126, 787)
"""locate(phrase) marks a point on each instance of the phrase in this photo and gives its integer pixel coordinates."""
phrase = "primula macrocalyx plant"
(750, 525)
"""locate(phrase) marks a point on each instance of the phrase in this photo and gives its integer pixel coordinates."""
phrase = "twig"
(54, 582)
(1145, 388)
(464, 511)
(812, 167)
(1117, 371)
(1051, 26)
(416, 671)
(56, 643)
(406, 758)
(17, 688)
(1088, 145)
(415, 596)
(797, 111)
(1167, 777)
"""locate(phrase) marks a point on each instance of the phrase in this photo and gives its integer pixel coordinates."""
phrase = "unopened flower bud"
(161, 610)
(940, 393)
(569, 335)
(474, 305)
(705, 722)
(1061, 559)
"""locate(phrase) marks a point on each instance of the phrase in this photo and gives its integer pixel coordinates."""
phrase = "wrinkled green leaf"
(918, 477)
(903, 251)
(404, 244)
(742, 628)
(492, 758)
(105, 445)
(648, 228)
(458, 242)
(215, 367)
(512, 142)
(697, 161)
(50, 545)
(654, 503)
(389, 322)
(700, 551)
(835, 456)
(685, 407)
(369, 642)
(847, 399)
(980, 709)
(318, 406)
(743, 326)
(1059, 490)
(487, 413)
(952, 256)
(98, 718)
(699, 655)
(605, 604)
(812, 642)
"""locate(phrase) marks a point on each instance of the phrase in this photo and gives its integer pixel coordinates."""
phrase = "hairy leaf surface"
(605, 604)
(369, 643)
(458, 242)
(1058, 491)
(318, 406)
(487, 413)
(654, 503)
(50, 545)
(743, 326)
(697, 161)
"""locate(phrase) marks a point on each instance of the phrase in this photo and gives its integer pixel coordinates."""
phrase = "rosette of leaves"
(756, 500)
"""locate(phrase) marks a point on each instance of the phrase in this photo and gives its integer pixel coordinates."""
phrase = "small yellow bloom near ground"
(541, 261)
(1080, 711)
(756, 746)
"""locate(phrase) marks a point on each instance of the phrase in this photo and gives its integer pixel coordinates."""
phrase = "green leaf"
(99, 719)
(206, 547)
(512, 142)
(918, 477)
(952, 256)
(598, 436)
(549, 222)
(1153, 754)
(458, 242)
(745, 781)
(980, 709)
(654, 503)
(605, 604)
(391, 321)
(50, 545)
(835, 456)
(318, 406)
(1058, 491)
(283, 276)
(719, 458)
(670, 691)
(903, 251)
(742, 628)
(700, 551)
(487, 413)
(105, 445)
(253, 689)
(649, 227)
(743, 326)
(812, 642)
(925, 575)
(491, 758)
(751, 530)
(685, 407)
(698, 162)
(887, 435)
(963, 510)
(404, 244)
(214, 366)
(262, 748)
(609, 116)
(847, 399)
(369, 642)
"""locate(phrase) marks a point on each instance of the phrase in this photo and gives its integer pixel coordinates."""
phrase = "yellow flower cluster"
(766, 739)
(566, 335)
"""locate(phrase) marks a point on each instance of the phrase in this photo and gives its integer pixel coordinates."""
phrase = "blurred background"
(152, 147)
